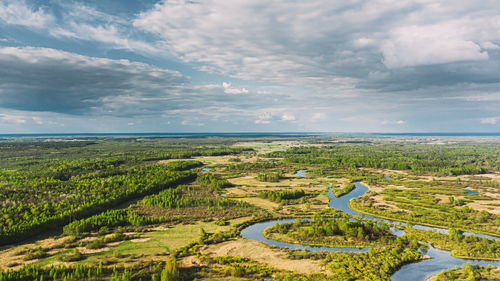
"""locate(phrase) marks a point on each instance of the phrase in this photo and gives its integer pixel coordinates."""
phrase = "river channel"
(419, 271)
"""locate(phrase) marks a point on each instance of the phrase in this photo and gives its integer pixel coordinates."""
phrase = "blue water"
(471, 191)
(441, 260)
(300, 173)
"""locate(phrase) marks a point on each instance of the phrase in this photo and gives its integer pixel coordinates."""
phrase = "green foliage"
(62, 201)
(332, 232)
(421, 159)
(466, 246)
(74, 255)
(79, 272)
(50, 184)
(212, 181)
(269, 177)
(182, 165)
(377, 264)
(171, 270)
(468, 272)
(281, 195)
(419, 206)
(339, 192)
(176, 198)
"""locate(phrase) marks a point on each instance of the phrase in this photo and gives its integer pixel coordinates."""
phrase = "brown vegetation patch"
(263, 253)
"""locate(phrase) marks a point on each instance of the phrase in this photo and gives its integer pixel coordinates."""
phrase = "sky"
(249, 66)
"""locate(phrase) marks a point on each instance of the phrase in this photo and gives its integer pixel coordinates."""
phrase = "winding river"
(419, 271)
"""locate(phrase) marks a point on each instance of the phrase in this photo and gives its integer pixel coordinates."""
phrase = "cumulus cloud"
(230, 90)
(333, 46)
(367, 44)
(430, 44)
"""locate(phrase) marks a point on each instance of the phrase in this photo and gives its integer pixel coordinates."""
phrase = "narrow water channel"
(441, 260)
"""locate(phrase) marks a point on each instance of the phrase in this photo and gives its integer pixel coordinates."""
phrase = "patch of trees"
(269, 177)
(177, 198)
(212, 181)
(281, 195)
(333, 232)
(376, 265)
(465, 246)
(348, 187)
(468, 272)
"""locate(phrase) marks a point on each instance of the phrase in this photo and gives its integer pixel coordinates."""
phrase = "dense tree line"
(182, 165)
(154, 271)
(177, 198)
(439, 160)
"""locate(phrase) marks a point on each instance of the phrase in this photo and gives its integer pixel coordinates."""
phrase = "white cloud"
(8, 118)
(488, 45)
(489, 120)
(18, 12)
(272, 41)
(430, 44)
(393, 122)
(37, 120)
(318, 42)
(363, 42)
(264, 118)
(230, 90)
(288, 117)
(79, 21)
(318, 116)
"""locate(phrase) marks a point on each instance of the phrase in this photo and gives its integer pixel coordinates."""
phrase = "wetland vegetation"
(153, 208)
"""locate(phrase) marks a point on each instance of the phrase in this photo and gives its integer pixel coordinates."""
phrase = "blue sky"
(241, 66)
